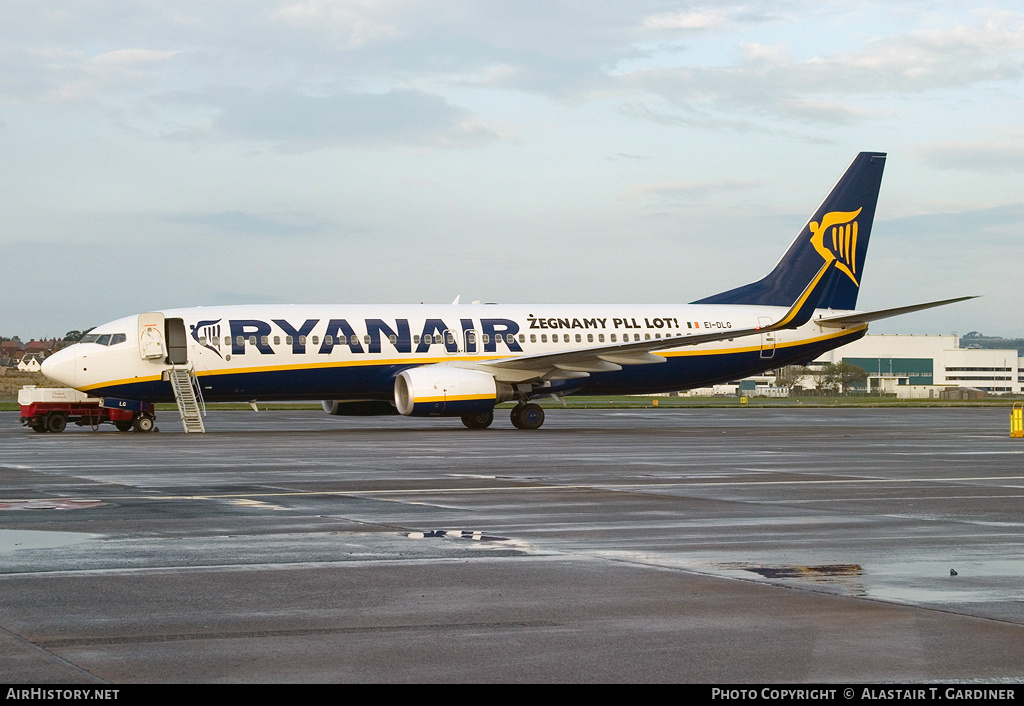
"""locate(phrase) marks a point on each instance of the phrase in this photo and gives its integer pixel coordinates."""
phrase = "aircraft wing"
(583, 361)
(580, 362)
(868, 316)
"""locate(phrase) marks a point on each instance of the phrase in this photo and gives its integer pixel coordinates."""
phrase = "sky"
(168, 154)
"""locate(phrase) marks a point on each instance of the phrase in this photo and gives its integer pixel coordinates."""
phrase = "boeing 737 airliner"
(462, 360)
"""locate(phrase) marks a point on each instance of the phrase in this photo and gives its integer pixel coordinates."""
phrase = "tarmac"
(706, 546)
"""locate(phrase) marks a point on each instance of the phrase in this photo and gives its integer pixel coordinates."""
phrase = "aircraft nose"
(60, 367)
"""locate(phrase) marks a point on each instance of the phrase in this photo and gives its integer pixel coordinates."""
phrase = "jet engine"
(442, 391)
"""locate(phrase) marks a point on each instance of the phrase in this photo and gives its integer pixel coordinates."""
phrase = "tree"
(836, 378)
(790, 375)
(75, 335)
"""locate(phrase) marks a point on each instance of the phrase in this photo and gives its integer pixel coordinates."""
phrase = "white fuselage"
(355, 352)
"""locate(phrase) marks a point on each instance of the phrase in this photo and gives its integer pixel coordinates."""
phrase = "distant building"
(896, 363)
(13, 350)
(30, 363)
(908, 366)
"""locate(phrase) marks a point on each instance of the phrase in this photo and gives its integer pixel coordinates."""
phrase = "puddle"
(11, 540)
(825, 571)
(49, 504)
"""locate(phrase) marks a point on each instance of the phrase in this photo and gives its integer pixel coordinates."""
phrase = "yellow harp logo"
(836, 239)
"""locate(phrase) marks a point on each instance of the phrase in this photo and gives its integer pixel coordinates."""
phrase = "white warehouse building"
(921, 366)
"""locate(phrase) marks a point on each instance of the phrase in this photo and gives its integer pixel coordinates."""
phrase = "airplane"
(462, 360)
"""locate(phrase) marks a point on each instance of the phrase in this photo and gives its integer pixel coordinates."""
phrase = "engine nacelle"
(358, 408)
(442, 391)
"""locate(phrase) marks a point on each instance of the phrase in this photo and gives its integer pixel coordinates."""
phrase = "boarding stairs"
(189, 397)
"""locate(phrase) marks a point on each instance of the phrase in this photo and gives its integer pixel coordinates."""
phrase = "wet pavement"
(622, 545)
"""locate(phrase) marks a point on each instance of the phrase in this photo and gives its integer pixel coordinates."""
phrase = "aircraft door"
(472, 339)
(177, 342)
(452, 337)
(151, 336)
(767, 339)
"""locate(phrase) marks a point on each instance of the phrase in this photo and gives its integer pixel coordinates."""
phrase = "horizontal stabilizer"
(868, 316)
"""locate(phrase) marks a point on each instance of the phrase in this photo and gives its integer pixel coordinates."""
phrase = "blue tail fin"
(838, 231)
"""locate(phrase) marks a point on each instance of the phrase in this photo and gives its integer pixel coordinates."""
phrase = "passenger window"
(533, 338)
(613, 338)
(366, 340)
(252, 340)
(565, 338)
(202, 340)
(590, 338)
(277, 340)
(316, 340)
(543, 338)
(450, 338)
(522, 338)
(647, 336)
(579, 338)
(485, 338)
(302, 340)
(265, 341)
(289, 340)
(416, 339)
(354, 339)
(240, 341)
(393, 339)
(328, 340)
(600, 338)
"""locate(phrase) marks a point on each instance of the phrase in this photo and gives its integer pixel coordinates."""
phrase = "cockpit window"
(104, 339)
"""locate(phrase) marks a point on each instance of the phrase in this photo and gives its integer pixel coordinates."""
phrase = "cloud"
(125, 57)
(686, 191)
(250, 224)
(57, 75)
(296, 122)
(355, 23)
(768, 80)
(1000, 156)
(984, 228)
(704, 18)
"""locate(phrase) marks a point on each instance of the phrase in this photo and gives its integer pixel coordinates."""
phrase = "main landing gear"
(478, 421)
(525, 415)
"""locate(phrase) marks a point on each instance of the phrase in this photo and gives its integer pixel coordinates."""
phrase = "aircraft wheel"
(527, 416)
(143, 423)
(123, 426)
(56, 423)
(478, 421)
